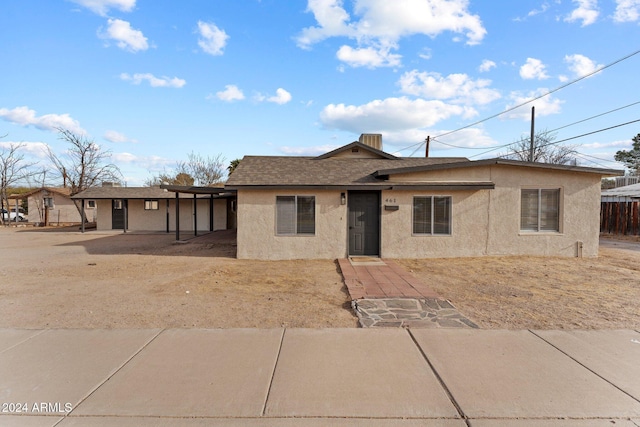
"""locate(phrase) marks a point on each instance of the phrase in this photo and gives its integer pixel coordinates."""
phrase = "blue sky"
(153, 80)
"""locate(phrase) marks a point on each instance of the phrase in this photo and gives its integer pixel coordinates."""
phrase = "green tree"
(631, 158)
(232, 166)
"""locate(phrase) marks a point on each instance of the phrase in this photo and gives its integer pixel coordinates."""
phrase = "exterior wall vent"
(372, 140)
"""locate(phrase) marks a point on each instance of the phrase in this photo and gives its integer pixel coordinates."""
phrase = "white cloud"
(153, 80)
(486, 66)
(458, 88)
(117, 137)
(101, 7)
(33, 149)
(545, 106)
(281, 97)
(614, 144)
(390, 114)
(580, 65)
(24, 116)
(627, 11)
(230, 93)
(380, 24)
(212, 39)
(587, 12)
(126, 37)
(368, 57)
(533, 69)
(307, 151)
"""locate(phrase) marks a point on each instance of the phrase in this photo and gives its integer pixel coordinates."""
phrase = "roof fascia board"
(490, 162)
(357, 144)
(386, 186)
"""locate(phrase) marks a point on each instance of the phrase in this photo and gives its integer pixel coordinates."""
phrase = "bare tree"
(170, 178)
(196, 170)
(206, 171)
(83, 165)
(39, 180)
(13, 169)
(544, 150)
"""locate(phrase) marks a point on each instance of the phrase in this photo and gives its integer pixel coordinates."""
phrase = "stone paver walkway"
(409, 313)
(383, 294)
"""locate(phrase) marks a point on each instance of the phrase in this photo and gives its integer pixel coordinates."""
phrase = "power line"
(604, 67)
(435, 138)
(579, 136)
(596, 116)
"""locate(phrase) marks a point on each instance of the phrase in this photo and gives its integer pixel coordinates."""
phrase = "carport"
(198, 193)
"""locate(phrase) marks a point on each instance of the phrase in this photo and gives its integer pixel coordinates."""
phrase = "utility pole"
(426, 150)
(533, 118)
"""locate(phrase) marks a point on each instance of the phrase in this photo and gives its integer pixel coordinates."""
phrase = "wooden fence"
(619, 218)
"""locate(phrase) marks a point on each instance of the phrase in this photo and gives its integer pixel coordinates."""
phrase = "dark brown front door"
(118, 212)
(364, 223)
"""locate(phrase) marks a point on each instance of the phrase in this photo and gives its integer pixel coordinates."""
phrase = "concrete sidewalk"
(319, 377)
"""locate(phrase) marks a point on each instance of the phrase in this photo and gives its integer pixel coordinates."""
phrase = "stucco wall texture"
(484, 222)
(140, 219)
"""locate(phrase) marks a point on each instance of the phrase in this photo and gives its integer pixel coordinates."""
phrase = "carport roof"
(125, 193)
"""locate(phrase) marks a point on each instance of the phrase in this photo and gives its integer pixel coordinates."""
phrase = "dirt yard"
(54, 279)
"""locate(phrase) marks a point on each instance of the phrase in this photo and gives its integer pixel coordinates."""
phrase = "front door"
(117, 214)
(364, 223)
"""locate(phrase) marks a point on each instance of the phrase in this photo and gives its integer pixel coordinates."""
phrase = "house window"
(432, 215)
(295, 215)
(117, 204)
(540, 210)
(91, 204)
(150, 205)
(47, 202)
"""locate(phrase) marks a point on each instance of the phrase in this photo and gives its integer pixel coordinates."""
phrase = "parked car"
(11, 216)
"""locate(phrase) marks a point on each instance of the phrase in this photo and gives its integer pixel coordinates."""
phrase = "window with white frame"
(150, 205)
(432, 215)
(540, 209)
(295, 215)
(91, 204)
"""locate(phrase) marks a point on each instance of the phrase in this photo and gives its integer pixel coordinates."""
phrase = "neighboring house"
(620, 210)
(154, 209)
(360, 200)
(53, 206)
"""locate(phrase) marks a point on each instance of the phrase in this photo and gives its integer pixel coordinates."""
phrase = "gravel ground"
(64, 279)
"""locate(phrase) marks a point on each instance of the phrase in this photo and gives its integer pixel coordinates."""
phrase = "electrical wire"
(604, 67)
(578, 136)
(596, 116)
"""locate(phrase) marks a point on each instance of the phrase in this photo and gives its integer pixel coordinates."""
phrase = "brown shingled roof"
(324, 172)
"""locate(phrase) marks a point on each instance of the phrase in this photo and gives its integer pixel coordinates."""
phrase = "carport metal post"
(82, 216)
(125, 202)
(177, 216)
(211, 213)
(167, 215)
(195, 215)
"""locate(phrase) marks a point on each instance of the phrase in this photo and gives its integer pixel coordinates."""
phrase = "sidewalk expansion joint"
(24, 340)
(453, 400)
(125, 363)
(273, 373)
(585, 366)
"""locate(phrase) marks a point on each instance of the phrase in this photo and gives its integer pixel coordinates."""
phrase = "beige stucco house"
(54, 206)
(360, 200)
(157, 209)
